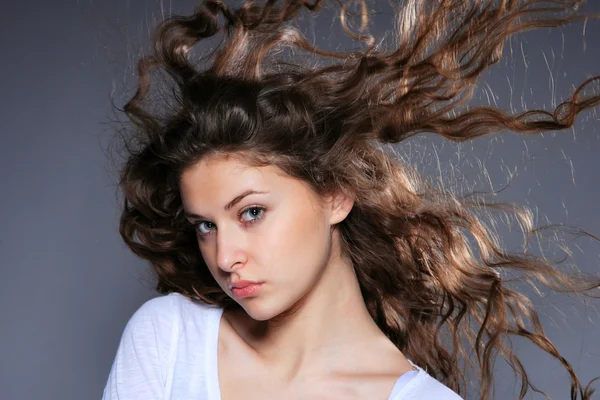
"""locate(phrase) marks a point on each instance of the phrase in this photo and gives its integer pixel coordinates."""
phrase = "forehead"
(217, 179)
(224, 171)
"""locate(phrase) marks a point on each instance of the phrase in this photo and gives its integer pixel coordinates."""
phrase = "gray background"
(69, 284)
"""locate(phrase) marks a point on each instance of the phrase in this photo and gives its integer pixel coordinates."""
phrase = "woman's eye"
(253, 213)
(249, 215)
(204, 223)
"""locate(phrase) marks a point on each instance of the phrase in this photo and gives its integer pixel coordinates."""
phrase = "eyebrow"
(231, 204)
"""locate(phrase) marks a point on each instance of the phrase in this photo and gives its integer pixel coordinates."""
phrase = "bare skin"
(367, 371)
(307, 333)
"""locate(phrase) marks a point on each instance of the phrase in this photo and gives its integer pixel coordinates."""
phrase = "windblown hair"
(430, 269)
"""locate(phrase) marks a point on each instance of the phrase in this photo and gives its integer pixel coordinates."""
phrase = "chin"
(259, 310)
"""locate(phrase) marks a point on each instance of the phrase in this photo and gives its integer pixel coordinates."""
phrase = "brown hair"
(431, 271)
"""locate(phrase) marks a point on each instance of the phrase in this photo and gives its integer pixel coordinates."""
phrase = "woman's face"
(258, 224)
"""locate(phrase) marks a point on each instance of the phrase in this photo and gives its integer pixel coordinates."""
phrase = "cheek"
(296, 239)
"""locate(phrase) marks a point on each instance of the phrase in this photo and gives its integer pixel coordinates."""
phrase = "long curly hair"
(432, 272)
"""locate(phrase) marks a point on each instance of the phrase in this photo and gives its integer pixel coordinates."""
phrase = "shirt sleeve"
(141, 363)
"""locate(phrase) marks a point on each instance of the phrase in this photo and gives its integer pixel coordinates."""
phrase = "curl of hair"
(430, 270)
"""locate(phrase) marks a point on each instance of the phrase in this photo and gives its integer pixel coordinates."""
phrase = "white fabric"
(168, 351)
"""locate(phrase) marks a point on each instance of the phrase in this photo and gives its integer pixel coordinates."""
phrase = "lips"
(243, 288)
(242, 284)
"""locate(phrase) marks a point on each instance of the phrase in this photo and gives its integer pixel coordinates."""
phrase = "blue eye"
(253, 214)
(199, 225)
(257, 214)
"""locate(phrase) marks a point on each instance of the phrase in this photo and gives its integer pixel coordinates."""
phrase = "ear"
(339, 206)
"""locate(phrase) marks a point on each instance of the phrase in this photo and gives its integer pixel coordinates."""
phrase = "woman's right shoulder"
(167, 304)
(160, 314)
(146, 353)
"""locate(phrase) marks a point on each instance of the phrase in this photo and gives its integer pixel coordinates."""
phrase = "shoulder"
(160, 307)
(150, 343)
(424, 386)
(160, 323)
(160, 315)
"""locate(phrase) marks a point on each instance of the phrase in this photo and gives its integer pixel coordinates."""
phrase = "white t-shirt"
(168, 351)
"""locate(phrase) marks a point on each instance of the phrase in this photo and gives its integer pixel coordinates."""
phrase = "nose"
(230, 249)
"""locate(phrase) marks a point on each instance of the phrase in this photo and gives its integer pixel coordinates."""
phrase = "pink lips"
(242, 289)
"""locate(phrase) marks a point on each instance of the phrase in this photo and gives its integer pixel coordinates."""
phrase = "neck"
(320, 331)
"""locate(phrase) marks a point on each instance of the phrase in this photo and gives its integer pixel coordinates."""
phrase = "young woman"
(302, 261)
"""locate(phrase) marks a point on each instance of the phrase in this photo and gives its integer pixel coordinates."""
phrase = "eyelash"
(262, 210)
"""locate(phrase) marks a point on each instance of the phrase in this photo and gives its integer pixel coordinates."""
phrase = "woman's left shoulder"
(424, 386)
